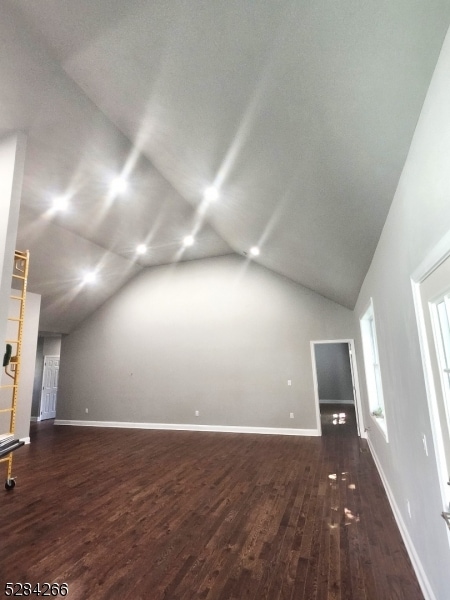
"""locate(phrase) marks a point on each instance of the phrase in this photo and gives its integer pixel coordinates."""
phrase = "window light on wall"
(372, 368)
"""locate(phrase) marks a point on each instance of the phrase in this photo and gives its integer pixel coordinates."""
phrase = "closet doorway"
(336, 386)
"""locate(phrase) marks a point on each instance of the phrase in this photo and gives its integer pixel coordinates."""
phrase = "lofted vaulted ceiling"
(300, 113)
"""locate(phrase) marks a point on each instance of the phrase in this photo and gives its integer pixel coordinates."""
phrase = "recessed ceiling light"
(254, 251)
(211, 193)
(141, 249)
(118, 185)
(89, 277)
(188, 240)
(60, 203)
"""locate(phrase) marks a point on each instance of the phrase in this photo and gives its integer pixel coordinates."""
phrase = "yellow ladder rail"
(20, 273)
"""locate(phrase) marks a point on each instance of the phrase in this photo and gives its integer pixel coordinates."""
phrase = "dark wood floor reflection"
(158, 515)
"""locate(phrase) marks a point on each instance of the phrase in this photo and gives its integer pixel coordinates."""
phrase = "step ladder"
(10, 390)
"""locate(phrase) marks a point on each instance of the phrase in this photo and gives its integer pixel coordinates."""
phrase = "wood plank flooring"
(153, 515)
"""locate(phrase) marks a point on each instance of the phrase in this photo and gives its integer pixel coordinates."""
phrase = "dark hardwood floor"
(155, 515)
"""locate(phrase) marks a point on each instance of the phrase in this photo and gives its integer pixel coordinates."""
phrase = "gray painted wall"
(52, 346)
(27, 365)
(37, 384)
(418, 219)
(221, 336)
(334, 377)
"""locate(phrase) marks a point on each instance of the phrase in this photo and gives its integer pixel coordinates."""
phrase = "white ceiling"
(300, 112)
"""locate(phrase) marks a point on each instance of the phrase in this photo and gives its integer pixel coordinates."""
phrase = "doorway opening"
(336, 385)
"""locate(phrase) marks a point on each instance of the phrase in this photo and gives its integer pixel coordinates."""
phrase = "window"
(431, 293)
(432, 297)
(441, 315)
(440, 319)
(372, 368)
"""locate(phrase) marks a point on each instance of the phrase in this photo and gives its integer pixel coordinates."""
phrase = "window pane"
(444, 327)
(442, 340)
(372, 368)
(373, 346)
(447, 383)
(378, 386)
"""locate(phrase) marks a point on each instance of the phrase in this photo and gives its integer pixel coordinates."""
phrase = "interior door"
(49, 392)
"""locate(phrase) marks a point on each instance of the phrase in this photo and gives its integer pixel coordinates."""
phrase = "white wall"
(12, 157)
(418, 219)
(217, 335)
(27, 365)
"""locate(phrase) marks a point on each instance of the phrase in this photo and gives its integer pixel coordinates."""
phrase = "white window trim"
(374, 385)
(438, 254)
(440, 344)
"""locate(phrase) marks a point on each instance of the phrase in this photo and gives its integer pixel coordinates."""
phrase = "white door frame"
(356, 392)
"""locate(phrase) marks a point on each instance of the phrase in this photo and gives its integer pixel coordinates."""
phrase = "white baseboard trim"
(336, 402)
(191, 427)
(416, 562)
(35, 419)
(25, 439)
